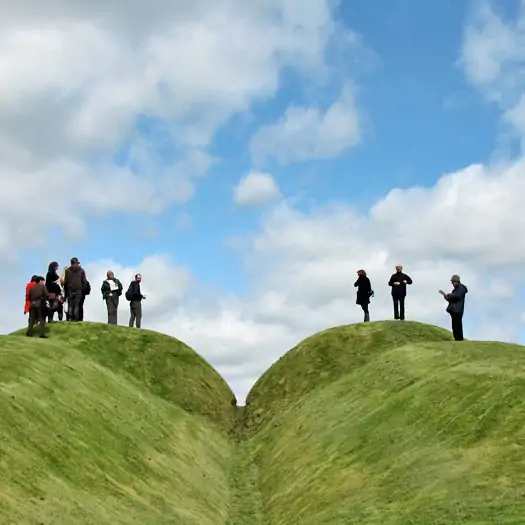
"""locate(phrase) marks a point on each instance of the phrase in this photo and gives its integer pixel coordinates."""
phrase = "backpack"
(129, 294)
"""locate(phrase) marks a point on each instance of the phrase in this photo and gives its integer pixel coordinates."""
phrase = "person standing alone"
(135, 297)
(456, 306)
(111, 291)
(364, 292)
(399, 282)
(75, 284)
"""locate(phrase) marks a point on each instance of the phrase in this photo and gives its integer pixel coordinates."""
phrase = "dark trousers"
(73, 305)
(81, 308)
(135, 308)
(457, 325)
(112, 310)
(36, 315)
(59, 308)
(366, 312)
(399, 307)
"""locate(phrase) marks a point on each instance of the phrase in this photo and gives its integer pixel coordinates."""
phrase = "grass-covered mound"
(109, 425)
(391, 423)
(377, 423)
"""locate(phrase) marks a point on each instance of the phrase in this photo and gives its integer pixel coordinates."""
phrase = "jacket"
(456, 299)
(37, 295)
(364, 290)
(75, 280)
(401, 290)
(27, 304)
(115, 294)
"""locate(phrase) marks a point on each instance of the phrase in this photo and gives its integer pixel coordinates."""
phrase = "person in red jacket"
(29, 285)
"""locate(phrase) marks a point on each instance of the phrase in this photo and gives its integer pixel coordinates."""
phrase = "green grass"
(378, 423)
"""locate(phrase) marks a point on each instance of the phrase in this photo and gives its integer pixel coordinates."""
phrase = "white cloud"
(255, 189)
(80, 83)
(302, 266)
(309, 133)
(493, 56)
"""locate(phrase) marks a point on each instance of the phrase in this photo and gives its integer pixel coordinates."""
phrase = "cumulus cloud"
(310, 133)
(493, 57)
(255, 189)
(82, 82)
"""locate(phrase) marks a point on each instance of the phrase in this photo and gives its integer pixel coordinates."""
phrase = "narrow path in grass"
(246, 504)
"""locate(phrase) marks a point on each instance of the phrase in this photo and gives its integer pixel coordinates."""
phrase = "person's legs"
(457, 326)
(112, 311)
(366, 312)
(60, 311)
(131, 315)
(402, 308)
(81, 307)
(73, 306)
(138, 314)
(50, 314)
(396, 307)
(31, 321)
(41, 323)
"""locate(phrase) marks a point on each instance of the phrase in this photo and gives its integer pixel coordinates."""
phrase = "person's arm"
(45, 293)
(408, 279)
(104, 290)
(83, 279)
(356, 284)
(119, 284)
(391, 282)
(456, 295)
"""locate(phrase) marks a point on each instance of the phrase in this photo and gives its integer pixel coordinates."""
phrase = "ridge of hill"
(377, 423)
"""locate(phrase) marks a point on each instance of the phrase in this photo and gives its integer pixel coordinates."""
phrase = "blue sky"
(139, 132)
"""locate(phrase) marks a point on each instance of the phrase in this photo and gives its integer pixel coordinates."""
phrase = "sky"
(249, 157)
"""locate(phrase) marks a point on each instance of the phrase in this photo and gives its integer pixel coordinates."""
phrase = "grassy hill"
(378, 423)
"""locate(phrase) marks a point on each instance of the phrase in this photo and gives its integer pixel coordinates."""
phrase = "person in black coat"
(399, 282)
(364, 292)
(456, 305)
(54, 292)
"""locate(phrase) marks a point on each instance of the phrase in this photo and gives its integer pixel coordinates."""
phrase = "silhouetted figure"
(75, 284)
(456, 306)
(54, 292)
(111, 291)
(135, 297)
(399, 282)
(364, 292)
(37, 296)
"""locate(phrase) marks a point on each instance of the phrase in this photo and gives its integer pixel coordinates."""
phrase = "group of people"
(48, 295)
(399, 282)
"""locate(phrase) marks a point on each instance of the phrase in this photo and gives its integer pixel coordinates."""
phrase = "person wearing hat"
(456, 306)
(364, 292)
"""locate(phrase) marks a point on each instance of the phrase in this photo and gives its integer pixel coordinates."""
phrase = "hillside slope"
(111, 426)
(371, 425)
(377, 423)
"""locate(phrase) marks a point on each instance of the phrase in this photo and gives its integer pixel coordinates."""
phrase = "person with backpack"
(75, 287)
(399, 282)
(456, 306)
(37, 296)
(135, 297)
(364, 292)
(111, 291)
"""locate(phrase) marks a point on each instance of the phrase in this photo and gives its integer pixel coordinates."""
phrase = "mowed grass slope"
(108, 425)
(390, 423)
(377, 423)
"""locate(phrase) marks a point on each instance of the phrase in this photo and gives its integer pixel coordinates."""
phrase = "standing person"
(54, 292)
(29, 285)
(37, 296)
(456, 306)
(399, 282)
(62, 280)
(75, 283)
(364, 292)
(111, 291)
(134, 296)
